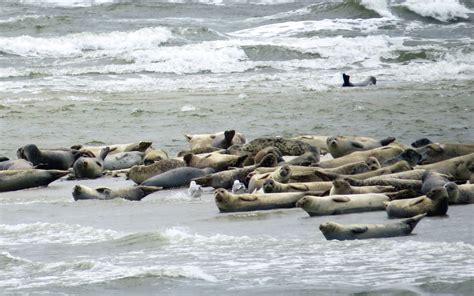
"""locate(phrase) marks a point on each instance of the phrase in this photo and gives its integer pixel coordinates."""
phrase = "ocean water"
(104, 71)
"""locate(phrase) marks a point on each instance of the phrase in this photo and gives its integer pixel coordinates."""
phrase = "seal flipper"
(346, 78)
(387, 141)
(357, 145)
(359, 229)
(421, 142)
(417, 201)
(104, 152)
(248, 198)
(411, 222)
(341, 199)
(228, 137)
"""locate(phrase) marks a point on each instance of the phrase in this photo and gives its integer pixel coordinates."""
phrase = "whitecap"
(441, 10)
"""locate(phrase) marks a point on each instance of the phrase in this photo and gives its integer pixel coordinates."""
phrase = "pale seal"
(176, 177)
(332, 230)
(460, 168)
(272, 186)
(342, 204)
(216, 161)
(218, 140)
(381, 154)
(22, 179)
(228, 202)
(460, 194)
(81, 192)
(114, 148)
(342, 145)
(88, 167)
(435, 203)
(436, 152)
(341, 187)
(282, 174)
(152, 155)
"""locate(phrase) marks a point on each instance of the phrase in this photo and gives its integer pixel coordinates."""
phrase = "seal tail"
(149, 189)
(104, 152)
(387, 141)
(269, 160)
(413, 221)
(346, 78)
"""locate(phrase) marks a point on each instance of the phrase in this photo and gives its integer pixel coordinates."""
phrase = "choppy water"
(120, 71)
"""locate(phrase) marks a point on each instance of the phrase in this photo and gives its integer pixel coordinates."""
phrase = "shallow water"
(105, 72)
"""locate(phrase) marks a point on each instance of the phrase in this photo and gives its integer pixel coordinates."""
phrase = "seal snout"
(302, 201)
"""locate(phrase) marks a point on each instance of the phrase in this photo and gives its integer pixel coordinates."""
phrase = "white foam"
(52, 233)
(188, 108)
(381, 7)
(442, 10)
(20, 18)
(78, 44)
(67, 3)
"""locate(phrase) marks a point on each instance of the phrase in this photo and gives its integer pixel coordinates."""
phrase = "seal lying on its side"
(228, 202)
(342, 204)
(23, 179)
(435, 203)
(337, 231)
(272, 186)
(123, 160)
(341, 187)
(177, 177)
(140, 173)
(16, 164)
(218, 140)
(133, 193)
(436, 152)
(341, 145)
(369, 81)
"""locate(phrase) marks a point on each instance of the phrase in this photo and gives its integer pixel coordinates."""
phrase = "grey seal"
(177, 177)
(460, 168)
(48, 159)
(272, 186)
(123, 160)
(332, 230)
(436, 152)
(22, 179)
(81, 192)
(460, 194)
(16, 164)
(341, 187)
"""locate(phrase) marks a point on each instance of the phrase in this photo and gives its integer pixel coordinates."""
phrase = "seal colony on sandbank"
(322, 175)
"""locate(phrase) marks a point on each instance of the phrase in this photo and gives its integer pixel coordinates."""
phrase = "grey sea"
(103, 72)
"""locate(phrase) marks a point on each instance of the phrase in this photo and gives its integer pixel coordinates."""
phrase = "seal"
(115, 148)
(342, 204)
(460, 168)
(226, 179)
(123, 160)
(272, 186)
(343, 145)
(332, 230)
(286, 146)
(140, 173)
(178, 177)
(12, 180)
(282, 174)
(432, 180)
(91, 168)
(435, 203)
(371, 80)
(381, 154)
(371, 164)
(227, 202)
(48, 159)
(268, 150)
(405, 175)
(221, 140)
(436, 152)
(314, 140)
(341, 187)
(17, 164)
(200, 151)
(81, 192)
(216, 161)
(460, 194)
(409, 155)
(152, 155)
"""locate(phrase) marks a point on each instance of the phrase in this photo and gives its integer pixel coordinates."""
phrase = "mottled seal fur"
(81, 192)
